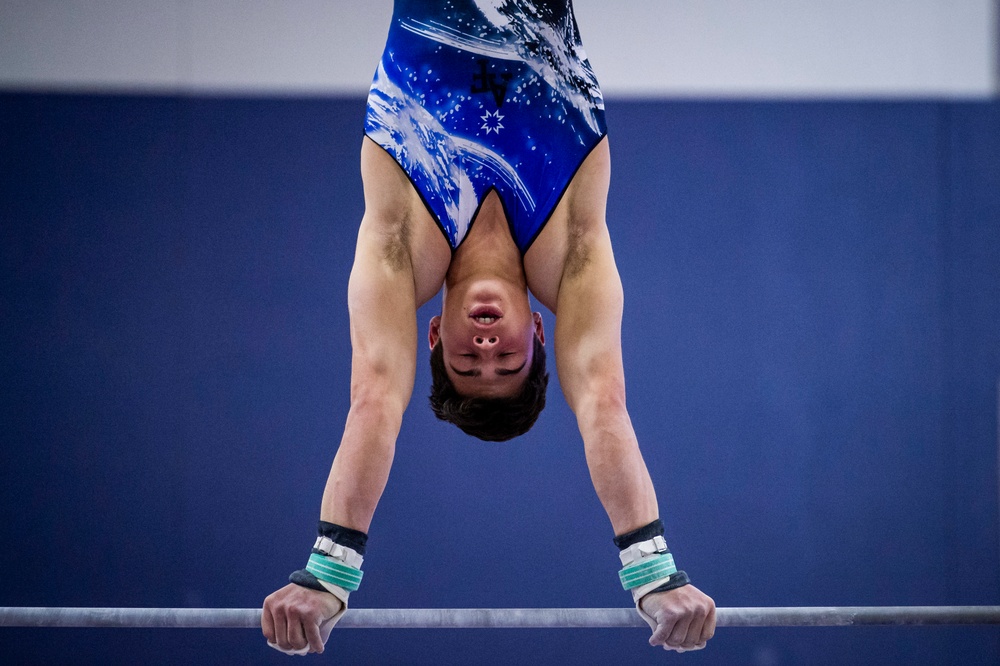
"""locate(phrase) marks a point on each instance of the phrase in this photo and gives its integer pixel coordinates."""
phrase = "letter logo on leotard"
(486, 81)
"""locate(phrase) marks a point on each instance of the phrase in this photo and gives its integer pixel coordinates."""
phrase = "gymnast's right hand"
(297, 620)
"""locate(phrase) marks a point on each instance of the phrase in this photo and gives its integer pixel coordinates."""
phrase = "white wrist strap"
(344, 555)
(635, 553)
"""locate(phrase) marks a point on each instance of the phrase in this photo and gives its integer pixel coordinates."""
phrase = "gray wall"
(837, 48)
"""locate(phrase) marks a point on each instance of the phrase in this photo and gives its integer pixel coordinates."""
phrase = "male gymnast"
(486, 170)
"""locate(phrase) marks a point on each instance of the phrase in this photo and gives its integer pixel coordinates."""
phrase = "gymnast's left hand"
(685, 618)
(296, 620)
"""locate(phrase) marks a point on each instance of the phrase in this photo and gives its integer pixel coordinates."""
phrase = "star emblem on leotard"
(491, 122)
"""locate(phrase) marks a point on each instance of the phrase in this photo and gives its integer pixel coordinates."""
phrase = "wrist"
(647, 565)
(644, 533)
(335, 560)
(345, 536)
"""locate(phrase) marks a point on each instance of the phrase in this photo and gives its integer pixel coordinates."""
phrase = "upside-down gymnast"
(486, 170)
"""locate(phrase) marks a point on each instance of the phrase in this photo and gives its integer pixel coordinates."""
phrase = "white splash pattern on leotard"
(450, 72)
(427, 151)
(517, 31)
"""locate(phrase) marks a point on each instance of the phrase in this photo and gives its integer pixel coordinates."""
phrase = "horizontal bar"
(498, 618)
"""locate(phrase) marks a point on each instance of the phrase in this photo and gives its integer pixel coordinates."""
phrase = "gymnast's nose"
(486, 343)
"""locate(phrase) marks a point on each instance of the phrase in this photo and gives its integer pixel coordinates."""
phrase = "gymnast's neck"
(488, 251)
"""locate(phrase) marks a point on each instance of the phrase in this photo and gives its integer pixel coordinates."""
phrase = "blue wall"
(812, 345)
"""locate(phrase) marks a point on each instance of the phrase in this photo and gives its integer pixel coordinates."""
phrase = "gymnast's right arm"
(382, 303)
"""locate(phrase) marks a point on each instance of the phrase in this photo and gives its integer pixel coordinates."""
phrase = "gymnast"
(486, 170)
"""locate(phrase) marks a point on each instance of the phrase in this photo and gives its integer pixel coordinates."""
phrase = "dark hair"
(490, 419)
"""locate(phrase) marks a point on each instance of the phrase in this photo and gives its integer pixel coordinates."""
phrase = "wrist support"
(335, 561)
(647, 565)
(334, 564)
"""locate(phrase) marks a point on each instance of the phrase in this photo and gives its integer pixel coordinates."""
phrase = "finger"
(296, 634)
(663, 628)
(313, 637)
(693, 636)
(678, 636)
(267, 623)
(708, 629)
(280, 628)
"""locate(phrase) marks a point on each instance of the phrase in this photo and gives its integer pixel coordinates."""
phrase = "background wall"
(663, 47)
(812, 344)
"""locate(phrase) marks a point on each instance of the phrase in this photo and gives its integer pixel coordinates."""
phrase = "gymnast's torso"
(478, 95)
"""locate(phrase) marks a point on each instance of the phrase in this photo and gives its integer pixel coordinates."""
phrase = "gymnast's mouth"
(485, 316)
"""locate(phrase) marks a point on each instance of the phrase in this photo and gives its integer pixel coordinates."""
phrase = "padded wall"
(812, 347)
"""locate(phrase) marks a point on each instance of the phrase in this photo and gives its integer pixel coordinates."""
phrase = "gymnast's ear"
(434, 331)
(539, 329)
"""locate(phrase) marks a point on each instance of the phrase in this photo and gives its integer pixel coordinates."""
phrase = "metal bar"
(849, 616)
(497, 618)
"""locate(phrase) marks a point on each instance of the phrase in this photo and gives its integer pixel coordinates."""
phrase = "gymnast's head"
(488, 360)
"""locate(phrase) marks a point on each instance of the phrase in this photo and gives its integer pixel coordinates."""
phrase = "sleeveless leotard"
(479, 95)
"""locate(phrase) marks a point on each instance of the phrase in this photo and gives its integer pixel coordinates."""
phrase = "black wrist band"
(345, 536)
(679, 579)
(306, 579)
(644, 533)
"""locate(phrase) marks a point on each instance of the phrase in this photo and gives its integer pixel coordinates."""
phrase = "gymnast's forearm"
(361, 467)
(382, 308)
(617, 469)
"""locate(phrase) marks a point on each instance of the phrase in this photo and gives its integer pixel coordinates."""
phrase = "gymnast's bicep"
(382, 305)
(588, 322)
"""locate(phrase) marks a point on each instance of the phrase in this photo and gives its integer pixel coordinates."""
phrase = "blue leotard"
(474, 95)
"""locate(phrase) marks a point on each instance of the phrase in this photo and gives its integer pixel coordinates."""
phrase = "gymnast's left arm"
(382, 304)
(589, 363)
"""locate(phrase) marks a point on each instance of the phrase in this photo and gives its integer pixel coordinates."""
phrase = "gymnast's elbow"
(376, 402)
(600, 404)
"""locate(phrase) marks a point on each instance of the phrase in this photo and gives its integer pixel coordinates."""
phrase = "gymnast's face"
(486, 330)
